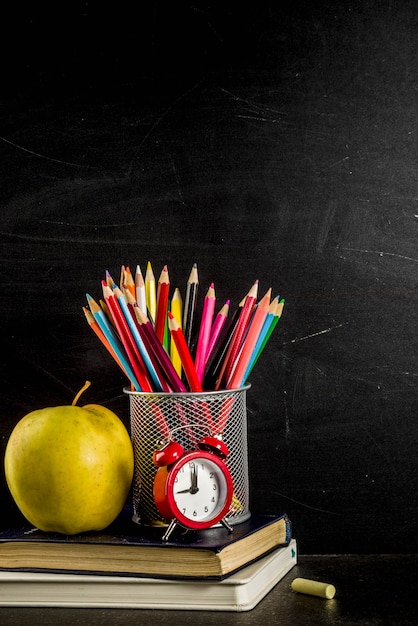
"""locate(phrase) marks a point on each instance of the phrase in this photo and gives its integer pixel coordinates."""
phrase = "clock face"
(199, 489)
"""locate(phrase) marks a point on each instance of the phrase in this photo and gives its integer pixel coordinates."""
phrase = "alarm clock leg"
(169, 530)
(227, 525)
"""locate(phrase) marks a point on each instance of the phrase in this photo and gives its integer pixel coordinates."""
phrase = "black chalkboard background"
(261, 143)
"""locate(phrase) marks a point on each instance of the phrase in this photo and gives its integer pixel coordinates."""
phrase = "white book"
(241, 591)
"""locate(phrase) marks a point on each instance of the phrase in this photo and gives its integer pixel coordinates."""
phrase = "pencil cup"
(186, 417)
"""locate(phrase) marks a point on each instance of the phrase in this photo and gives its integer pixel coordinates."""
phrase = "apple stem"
(82, 390)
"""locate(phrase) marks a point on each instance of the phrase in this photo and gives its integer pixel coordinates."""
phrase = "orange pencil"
(121, 280)
(163, 287)
(97, 330)
(113, 340)
(254, 330)
(128, 282)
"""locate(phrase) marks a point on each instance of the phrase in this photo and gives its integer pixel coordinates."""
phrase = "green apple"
(70, 468)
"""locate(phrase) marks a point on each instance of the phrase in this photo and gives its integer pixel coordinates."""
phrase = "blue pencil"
(135, 333)
(270, 319)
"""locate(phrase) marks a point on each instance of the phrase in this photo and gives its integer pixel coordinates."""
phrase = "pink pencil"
(204, 331)
(254, 330)
(239, 333)
(216, 329)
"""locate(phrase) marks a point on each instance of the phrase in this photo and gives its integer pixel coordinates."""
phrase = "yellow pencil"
(177, 312)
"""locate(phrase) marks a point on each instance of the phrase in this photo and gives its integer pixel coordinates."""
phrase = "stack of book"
(128, 566)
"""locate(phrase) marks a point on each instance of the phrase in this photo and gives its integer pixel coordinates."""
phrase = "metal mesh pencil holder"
(153, 417)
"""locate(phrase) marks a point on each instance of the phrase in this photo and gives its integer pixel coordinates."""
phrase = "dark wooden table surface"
(373, 589)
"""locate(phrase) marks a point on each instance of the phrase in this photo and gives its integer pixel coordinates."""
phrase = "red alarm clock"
(193, 489)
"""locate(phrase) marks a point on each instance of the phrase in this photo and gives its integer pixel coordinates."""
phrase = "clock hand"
(194, 488)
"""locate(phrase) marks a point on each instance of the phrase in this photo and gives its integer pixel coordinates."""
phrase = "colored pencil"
(270, 323)
(126, 337)
(113, 340)
(167, 336)
(238, 371)
(122, 301)
(224, 413)
(147, 328)
(217, 358)
(234, 348)
(128, 282)
(109, 279)
(216, 329)
(121, 278)
(106, 311)
(132, 305)
(150, 291)
(99, 333)
(155, 341)
(184, 353)
(189, 368)
(190, 303)
(176, 308)
(163, 288)
(204, 331)
(140, 294)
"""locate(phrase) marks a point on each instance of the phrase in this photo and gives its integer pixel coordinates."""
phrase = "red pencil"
(184, 353)
(239, 368)
(126, 338)
(132, 305)
(188, 365)
(163, 288)
(239, 332)
(145, 326)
